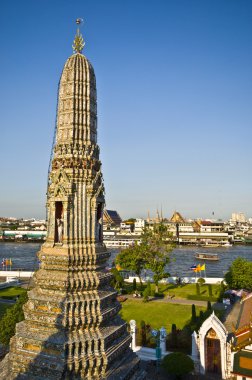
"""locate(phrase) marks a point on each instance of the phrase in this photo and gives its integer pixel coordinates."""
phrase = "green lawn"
(188, 291)
(11, 292)
(157, 313)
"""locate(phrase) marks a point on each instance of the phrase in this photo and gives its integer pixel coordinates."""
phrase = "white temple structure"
(223, 350)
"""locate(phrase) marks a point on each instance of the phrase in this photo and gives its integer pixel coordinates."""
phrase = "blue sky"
(174, 82)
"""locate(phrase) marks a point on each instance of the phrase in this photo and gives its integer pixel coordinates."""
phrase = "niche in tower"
(58, 235)
(99, 222)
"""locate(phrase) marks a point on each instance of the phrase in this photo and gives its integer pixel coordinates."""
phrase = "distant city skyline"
(236, 217)
(174, 84)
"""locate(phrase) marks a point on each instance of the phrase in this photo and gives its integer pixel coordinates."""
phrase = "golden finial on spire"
(78, 43)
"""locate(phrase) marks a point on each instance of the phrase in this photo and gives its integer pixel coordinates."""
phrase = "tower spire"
(78, 43)
(72, 329)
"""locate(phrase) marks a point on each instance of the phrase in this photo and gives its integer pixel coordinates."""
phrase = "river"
(23, 256)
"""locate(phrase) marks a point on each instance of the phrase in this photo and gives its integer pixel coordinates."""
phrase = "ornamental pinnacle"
(72, 329)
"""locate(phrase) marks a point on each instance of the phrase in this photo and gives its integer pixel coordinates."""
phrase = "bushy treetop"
(239, 275)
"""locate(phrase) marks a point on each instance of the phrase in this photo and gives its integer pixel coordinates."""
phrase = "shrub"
(197, 289)
(143, 333)
(147, 292)
(201, 316)
(12, 316)
(193, 313)
(134, 284)
(178, 364)
(201, 281)
(174, 341)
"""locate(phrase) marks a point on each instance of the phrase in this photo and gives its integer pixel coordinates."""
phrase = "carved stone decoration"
(72, 329)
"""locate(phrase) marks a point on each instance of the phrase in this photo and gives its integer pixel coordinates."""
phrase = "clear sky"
(174, 80)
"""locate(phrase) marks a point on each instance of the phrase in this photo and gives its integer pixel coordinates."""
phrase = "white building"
(224, 349)
(139, 225)
(238, 217)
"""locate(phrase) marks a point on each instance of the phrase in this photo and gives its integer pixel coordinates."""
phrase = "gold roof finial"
(78, 43)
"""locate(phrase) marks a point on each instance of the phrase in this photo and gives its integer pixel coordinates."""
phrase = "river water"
(23, 256)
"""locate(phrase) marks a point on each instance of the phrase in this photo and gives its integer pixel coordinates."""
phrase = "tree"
(134, 285)
(151, 253)
(174, 340)
(178, 364)
(157, 245)
(194, 317)
(239, 275)
(143, 333)
(209, 306)
(12, 316)
(118, 280)
(197, 289)
(132, 258)
(147, 292)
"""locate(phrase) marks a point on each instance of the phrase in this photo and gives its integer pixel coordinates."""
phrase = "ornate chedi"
(72, 329)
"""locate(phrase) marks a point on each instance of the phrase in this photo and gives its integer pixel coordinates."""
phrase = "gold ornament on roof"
(78, 43)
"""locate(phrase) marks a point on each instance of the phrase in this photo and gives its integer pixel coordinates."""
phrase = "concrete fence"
(173, 280)
(15, 273)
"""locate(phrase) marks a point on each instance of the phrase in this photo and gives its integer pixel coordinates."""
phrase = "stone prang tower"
(72, 329)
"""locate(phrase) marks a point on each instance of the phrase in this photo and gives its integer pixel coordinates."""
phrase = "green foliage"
(151, 253)
(3, 308)
(197, 289)
(157, 246)
(201, 316)
(209, 306)
(118, 280)
(239, 275)
(147, 292)
(132, 258)
(210, 290)
(12, 316)
(143, 333)
(134, 285)
(201, 281)
(193, 314)
(178, 364)
(174, 341)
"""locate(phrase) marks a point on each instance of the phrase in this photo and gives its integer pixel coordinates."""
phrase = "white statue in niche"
(60, 230)
(99, 229)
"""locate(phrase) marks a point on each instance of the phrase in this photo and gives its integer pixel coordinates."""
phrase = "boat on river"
(207, 256)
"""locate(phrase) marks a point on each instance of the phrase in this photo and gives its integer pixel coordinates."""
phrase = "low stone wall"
(17, 273)
(172, 280)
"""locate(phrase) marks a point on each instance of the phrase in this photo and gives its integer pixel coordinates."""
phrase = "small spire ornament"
(78, 43)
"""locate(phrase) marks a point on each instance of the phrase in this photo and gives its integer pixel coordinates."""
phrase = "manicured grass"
(12, 292)
(189, 290)
(157, 313)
